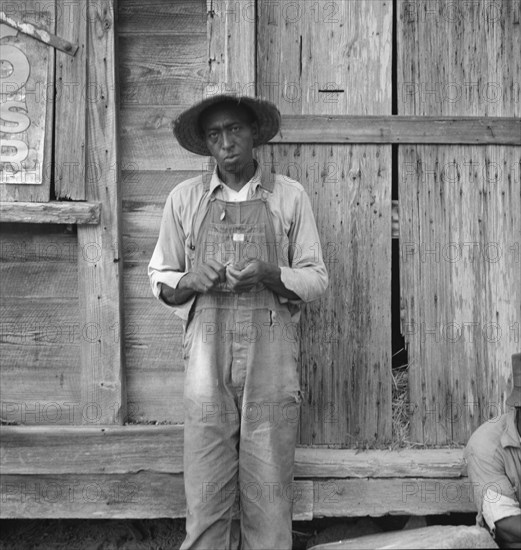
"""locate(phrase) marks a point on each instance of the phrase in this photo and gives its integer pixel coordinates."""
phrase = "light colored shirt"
(493, 456)
(230, 195)
(299, 252)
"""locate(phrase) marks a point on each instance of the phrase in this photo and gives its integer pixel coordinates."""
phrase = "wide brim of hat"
(186, 126)
(514, 399)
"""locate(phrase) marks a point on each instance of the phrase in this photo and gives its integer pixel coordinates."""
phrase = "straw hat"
(514, 399)
(187, 131)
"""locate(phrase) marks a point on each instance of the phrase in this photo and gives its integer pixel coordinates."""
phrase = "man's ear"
(254, 129)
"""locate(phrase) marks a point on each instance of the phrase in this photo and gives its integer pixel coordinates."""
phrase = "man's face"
(229, 136)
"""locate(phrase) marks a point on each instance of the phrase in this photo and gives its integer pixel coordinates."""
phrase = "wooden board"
(305, 50)
(40, 340)
(102, 379)
(107, 462)
(444, 70)
(27, 107)
(380, 497)
(50, 212)
(161, 17)
(162, 69)
(51, 279)
(461, 284)
(232, 37)
(345, 336)
(309, 61)
(148, 142)
(457, 296)
(154, 362)
(159, 495)
(91, 449)
(398, 129)
(404, 463)
(72, 93)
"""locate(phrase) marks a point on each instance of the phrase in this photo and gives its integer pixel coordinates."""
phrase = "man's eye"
(235, 128)
(212, 135)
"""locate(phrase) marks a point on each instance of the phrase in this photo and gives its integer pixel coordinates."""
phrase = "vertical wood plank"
(35, 99)
(461, 284)
(345, 337)
(231, 47)
(459, 236)
(103, 382)
(310, 57)
(155, 86)
(71, 94)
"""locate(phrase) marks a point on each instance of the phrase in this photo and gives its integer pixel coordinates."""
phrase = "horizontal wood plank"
(51, 212)
(399, 129)
(92, 450)
(161, 495)
(346, 463)
(136, 471)
(162, 69)
(380, 497)
(110, 496)
(161, 16)
(40, 278)
(148, 142)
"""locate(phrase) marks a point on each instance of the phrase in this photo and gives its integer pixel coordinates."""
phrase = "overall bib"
(241, 395)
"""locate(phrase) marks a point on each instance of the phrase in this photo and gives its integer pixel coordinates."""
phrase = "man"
(236, 256)
(493, 455)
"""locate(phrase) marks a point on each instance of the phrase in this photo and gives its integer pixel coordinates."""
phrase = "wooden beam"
(402, 463)
(136, 472)
(50, 212)
(395, 496)
(231, 48)
(161, 495)
(72, 91)
(53, 450)
(399, 129)
(110, 496)
(100, 285)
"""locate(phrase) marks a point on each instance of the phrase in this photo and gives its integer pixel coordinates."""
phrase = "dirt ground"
(168, 534)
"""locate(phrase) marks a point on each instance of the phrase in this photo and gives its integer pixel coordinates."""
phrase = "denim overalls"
(242, 393)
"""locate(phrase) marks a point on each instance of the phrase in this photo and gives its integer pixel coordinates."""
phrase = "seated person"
(493, 456)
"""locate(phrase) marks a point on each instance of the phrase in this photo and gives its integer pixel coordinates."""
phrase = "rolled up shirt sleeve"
(168, 262)
(306, 274)
(497, 506)
(494, 495)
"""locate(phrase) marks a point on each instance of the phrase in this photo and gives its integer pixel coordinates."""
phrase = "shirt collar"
(257, 179)
(510, 436)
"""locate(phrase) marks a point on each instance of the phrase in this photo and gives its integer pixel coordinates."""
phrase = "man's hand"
(245, 278)
(204, 277)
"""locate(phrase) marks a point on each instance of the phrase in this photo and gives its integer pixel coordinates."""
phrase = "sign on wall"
(26, 104)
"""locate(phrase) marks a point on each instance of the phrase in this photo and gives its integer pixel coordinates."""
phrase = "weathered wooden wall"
(61, 317)
(304, 52)
(40, 327)
(460, 226)
(163, 53)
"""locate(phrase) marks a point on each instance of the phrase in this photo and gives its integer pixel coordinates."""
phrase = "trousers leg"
(211, 446)
(269, 429)
(267, 490)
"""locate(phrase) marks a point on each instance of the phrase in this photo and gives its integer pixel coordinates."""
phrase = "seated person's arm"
(508, 532)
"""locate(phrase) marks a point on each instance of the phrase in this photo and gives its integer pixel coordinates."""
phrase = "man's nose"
(226, 140)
